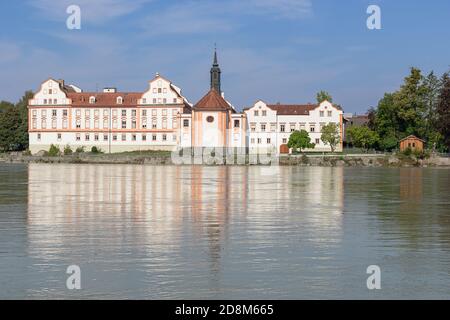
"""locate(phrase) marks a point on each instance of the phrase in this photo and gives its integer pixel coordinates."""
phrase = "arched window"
(119, 100)
(92, 100)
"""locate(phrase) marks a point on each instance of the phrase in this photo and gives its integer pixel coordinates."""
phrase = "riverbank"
(164, 158)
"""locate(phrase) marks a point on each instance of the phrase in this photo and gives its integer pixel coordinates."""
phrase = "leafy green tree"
(67, 150)
(362, 137)
(330, 135)
(300, 140)
(443, 111)
(322, 96)
(53, 151)
(14, 124)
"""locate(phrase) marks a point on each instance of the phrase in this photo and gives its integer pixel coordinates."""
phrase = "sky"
(275, 50)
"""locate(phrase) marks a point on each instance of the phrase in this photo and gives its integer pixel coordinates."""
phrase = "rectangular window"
(78, 124)
(133, 124)
(252, 140)
(105, 112)
(253, 127)
(330, 113)
(59, 136)
(96, 137)
(133, 113)
(317, 141)
(144, 137)
(259, 140)
(39, 136)
(154, 112)
(124, 113)
(185, 123)
(282, 128)
(154, 124)
(164, 112)
(312, 129)
(154, 137)
(133, 137)
(164, 137)
(44, 124)
(65, 124)
(322, 113)
(34, 124)
(174, 138)
(96, 124)
(174, 123)
(268, 140)
(54, 113)
(124, 137)
(273, 127)
(144, 113)
(96, 112)
(87, 124)
(284, 140)
(263, 127)
(124, 124)
(105, 124)
(86, 137)
(292, 127)
(105, 137)
(54, 124)
(164, 123)
(64, 113)
(237, 123)
(115, 137)
(264, 113)
(78, 137)
(256, 113)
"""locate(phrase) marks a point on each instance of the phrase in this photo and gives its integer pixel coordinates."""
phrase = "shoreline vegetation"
(165, 158)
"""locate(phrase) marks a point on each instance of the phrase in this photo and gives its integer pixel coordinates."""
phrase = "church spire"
(215, 74)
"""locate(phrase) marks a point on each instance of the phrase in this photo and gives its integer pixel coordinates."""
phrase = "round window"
(210, 119)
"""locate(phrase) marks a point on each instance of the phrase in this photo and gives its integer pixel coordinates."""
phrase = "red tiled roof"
(292, 109)
(104, 99)
(212, 101)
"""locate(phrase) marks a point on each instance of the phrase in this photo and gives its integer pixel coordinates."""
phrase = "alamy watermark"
(73, 22)
(374, 20)
(374, 280)
(73, 282)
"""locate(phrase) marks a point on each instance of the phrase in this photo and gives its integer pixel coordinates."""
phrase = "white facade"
(270, 126)
(162, 119)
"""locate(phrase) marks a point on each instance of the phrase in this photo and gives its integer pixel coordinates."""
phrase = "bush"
(79, 150)
(94, 149)
(53, 151)
(67, 150)
(407, 152)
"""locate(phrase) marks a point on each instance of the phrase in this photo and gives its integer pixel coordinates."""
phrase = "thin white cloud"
(200, 16)
(92, 11)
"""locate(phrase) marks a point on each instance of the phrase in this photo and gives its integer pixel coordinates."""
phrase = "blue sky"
(275, 50)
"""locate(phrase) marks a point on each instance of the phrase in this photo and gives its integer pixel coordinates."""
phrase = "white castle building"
(161, 118)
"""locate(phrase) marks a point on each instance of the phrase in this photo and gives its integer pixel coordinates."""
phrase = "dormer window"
(119, 100)
(92, 100)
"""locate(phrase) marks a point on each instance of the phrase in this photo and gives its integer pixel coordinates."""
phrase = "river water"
(182, 232)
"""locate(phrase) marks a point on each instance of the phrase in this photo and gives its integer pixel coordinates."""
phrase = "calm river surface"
(186, 232)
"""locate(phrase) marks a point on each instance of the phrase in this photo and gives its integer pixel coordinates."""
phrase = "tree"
(322, 96)
(443, 111)
(300, 140)
(330, 135)
(14, 124)
(362, 136)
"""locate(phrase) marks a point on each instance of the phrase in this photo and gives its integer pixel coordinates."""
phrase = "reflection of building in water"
(411, 184)
(411, 192)
(153, 207)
